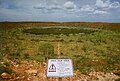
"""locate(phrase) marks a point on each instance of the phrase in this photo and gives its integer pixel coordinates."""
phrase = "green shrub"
(38, 57)
(4, 69)
(26, 56)
(47, 50)
(15, 55)
(82, 63)
(58, 31)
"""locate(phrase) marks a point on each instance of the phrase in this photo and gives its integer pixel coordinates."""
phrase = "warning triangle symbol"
(52, 68)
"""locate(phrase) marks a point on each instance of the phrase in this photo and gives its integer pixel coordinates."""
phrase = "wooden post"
(58, 50)
(59, 79)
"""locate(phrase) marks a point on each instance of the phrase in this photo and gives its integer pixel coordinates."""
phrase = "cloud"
(98, 12)
(40, 6)
(107, 4)
(102, 4)
(87, 8)
(66, 6)
(50, 7)
(90, 9)
(53, 7)
(59, 10)
(69, 5)
(114, 5)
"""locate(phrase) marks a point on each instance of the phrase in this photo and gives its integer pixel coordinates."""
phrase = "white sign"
(59, 68)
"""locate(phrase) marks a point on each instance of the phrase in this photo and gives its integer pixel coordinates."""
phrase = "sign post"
(59, 79)
(60, 68)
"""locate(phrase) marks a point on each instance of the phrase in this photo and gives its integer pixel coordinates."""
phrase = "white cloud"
(114, 5)
(53, 7)
(50, 4)
(102, 4)
(59, 10)
(69, 5)
(98, 12)
(50, 7)
(107, 4)
(40, 6)
(87, 8)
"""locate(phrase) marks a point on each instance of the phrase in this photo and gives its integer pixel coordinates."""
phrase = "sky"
(60, 10)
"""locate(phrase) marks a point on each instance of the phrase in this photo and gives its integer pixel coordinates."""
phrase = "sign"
(52, 68)
(59, 68)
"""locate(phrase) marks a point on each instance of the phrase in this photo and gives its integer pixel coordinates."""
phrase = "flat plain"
(91, 46)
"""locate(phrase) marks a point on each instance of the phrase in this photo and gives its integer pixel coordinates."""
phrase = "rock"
(44, 64)
(28, 79)
(116, 72)
(17, 78)
(16, 66)
(6, 76)
(33, 72)
(93, 78)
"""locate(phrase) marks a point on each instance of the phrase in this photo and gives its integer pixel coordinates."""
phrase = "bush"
(58, 31)
(3, 69)
(26, 56)
(15, 55)
(82, 63)
(38, 57)
(47, 50)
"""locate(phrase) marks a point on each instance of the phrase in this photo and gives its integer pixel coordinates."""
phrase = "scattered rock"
(33, 72)
(6, 76)
(116, 72)
(93, 78)
(28, 79)
(44, 64)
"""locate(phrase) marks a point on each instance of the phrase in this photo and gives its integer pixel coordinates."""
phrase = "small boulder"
(116, 72)
(33, 72)
(6, 76)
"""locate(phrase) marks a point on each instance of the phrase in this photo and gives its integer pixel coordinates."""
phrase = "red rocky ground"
(35, 71)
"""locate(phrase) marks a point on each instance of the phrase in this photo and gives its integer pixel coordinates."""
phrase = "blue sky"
(60, 10)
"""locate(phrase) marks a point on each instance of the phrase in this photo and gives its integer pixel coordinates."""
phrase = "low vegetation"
(58, 31)
(89, 48)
